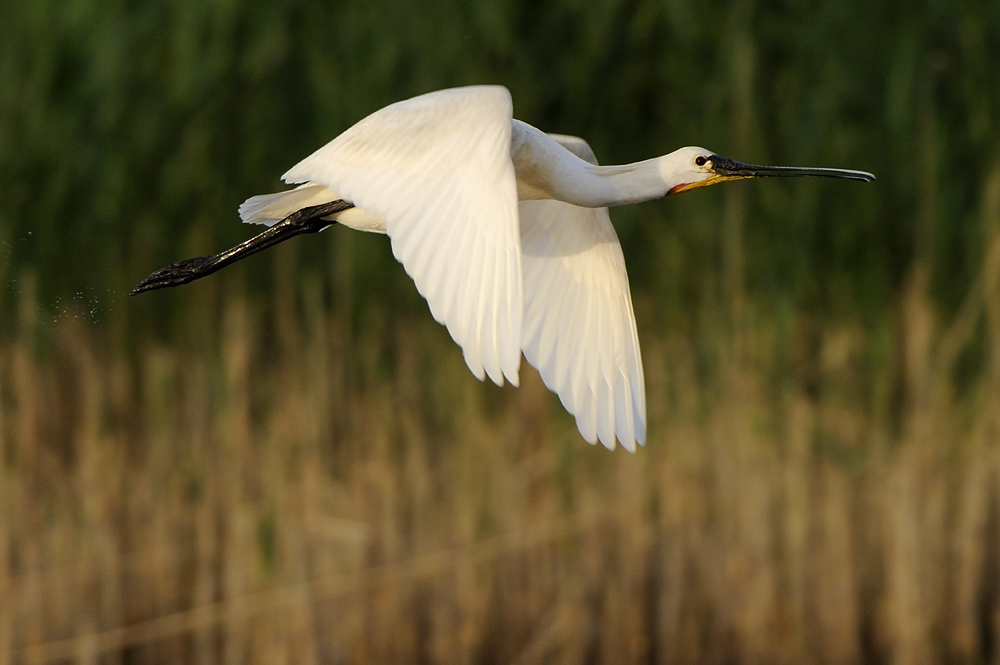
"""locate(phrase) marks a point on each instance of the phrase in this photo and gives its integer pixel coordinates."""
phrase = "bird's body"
(505, 231)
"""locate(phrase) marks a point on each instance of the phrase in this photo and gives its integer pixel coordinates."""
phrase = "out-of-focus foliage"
(289, 461)
(129, 132)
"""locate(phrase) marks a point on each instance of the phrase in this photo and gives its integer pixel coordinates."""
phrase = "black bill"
(728, 168)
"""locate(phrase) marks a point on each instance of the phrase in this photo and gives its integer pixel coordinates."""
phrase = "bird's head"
(690, 168)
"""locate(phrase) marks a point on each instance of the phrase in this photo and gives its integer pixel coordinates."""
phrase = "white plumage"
(505, 231)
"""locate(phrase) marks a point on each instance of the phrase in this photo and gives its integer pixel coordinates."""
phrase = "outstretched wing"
(437, 169)
(579, 326)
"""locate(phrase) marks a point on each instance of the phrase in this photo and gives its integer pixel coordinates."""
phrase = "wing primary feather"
(586, 422)
(623, 413)
(473, 294)
(555, 317)
(458, 287)
(439, 259)
(487, 296)
(606, 422)
(577, 302)
(511, 340)
(581, 387)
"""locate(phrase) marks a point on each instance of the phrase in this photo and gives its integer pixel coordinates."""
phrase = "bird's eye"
(700, 160)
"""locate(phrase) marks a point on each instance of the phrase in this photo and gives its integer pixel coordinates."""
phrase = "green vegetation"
(289, 460)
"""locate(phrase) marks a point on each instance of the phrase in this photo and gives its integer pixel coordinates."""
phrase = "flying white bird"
(505, 231)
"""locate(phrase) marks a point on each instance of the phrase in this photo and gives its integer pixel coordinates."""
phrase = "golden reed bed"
(289, 490)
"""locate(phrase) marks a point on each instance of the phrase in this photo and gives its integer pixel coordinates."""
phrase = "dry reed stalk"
(267, 500)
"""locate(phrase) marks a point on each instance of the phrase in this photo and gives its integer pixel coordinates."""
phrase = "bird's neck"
(628, 183)
(546, 170)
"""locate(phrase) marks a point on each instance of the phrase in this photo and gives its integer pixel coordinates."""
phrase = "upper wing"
(437, 169)
(579, 326)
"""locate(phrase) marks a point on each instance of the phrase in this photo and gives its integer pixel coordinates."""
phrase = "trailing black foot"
(306, 220)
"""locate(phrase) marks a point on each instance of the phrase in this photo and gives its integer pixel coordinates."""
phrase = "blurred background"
(289, 461)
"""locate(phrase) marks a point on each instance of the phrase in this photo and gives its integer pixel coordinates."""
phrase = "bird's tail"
(269, 209)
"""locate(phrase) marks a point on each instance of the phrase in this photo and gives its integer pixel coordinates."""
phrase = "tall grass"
(298, 488)
(312, 475)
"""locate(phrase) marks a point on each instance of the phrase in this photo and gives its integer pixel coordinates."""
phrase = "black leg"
(306, 220)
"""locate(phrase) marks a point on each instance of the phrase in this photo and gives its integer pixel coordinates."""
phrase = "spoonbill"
(505, 232)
